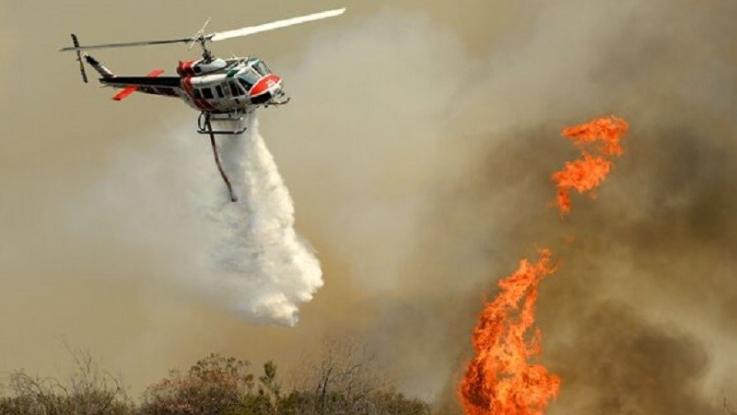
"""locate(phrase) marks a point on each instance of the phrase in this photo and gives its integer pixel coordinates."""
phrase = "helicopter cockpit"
(255, 71)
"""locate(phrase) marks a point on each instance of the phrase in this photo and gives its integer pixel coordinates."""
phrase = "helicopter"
(223, 90)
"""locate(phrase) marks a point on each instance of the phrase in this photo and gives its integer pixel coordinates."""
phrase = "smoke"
(657, 242)
(243, 256)
(418, 147)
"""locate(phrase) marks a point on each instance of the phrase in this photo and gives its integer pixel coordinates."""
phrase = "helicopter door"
(223, 91)
(236, 92)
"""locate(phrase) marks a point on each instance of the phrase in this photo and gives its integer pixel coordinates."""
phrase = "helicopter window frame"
(245, 84)
(219, 91)
(249, 77)
(207, 93)
(261, 68)
(235, 89)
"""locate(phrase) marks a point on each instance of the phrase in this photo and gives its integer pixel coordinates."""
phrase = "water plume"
(259, 264)
(167, 198)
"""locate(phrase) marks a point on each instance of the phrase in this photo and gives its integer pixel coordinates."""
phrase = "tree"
(269, 390)
(88, 391)
(213, 386)
(345, 379)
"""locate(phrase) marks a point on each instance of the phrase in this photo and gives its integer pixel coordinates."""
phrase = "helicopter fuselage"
(233, 85)
(215, 86)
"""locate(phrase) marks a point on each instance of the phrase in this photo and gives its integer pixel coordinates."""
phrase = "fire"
(500, 379)
(588, 172)
(608, 131)
(583, 175)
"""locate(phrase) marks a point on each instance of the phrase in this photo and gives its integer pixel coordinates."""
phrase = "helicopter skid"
(236, 120)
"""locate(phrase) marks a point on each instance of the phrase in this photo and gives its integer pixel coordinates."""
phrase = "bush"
(88, 391)
(214, 385)
(342, 381)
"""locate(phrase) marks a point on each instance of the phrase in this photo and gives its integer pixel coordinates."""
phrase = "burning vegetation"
(501, 379)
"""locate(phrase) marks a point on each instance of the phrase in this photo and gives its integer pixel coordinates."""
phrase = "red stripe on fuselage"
(189, 89)
(187, 85)
(185, 68)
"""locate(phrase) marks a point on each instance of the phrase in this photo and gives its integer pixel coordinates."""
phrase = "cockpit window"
(261, 68)
(245, 84)
(248, 78)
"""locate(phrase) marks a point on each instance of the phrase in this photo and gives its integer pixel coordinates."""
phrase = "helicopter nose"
(265, 89)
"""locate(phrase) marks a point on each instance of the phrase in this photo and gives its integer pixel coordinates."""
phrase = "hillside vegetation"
(216, 385)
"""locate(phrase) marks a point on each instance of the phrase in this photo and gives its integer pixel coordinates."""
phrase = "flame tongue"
(608, 131)
(588, 172)
(500, 379)
(582, 175)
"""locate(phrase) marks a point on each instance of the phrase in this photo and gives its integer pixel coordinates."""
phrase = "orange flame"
(588, 172)
(500, 380)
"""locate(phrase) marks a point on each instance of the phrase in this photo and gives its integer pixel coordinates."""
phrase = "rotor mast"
(200, 38)
(206, 53)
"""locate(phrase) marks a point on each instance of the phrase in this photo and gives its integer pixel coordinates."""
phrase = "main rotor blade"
(127, 44)
(247, 31)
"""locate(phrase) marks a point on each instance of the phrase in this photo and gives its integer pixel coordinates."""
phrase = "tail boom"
(100, 68)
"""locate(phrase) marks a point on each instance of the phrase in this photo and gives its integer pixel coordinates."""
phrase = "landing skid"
(208, 125)
(237, 119)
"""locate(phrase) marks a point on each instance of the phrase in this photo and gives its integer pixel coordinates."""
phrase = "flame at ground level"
(500, 380)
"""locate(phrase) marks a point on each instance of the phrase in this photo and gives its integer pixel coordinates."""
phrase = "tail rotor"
(79, 58)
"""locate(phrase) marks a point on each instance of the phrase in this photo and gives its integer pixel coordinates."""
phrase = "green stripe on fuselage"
(232, 73)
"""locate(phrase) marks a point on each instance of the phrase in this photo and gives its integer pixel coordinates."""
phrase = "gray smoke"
(418, 148)
(648, 280)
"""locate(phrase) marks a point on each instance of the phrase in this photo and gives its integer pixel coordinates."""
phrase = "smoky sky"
(418, 149)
